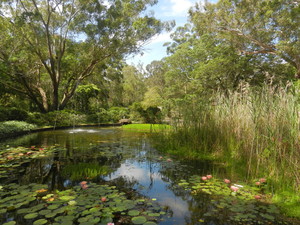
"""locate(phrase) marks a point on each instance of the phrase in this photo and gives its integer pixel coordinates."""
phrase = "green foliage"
(148, 115)
(254, 130)
(111, 115)
(253, 27)
(88, 203)
(47, 50)
(117, 113)
(9, 128)
(13, 113)
(63, 118)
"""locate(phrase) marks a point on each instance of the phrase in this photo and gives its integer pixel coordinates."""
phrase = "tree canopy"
(48, 47)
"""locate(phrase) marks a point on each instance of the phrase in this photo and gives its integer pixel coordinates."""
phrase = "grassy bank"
(255, 134)
(148, 128)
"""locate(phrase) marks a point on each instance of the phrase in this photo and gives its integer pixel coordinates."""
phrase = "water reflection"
(125, 159)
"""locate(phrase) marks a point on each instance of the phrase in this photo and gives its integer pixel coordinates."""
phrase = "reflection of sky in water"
(147, 175)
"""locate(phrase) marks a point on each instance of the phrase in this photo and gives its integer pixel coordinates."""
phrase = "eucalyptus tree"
(48, 47)
(254, 27)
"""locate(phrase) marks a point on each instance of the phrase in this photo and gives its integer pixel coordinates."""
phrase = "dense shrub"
(149, 115)
(117, 113)
(64, 118)
(9, 128)
(12, 114)
(112, 115)
(101, 116)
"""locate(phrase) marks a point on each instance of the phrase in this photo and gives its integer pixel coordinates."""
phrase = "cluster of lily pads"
(235, 203)
(85, 204)
(12, 158)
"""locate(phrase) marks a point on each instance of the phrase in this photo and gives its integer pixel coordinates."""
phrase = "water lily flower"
(262, 180)
(41, 149)
(227, 181)
(169, 160)
(257, 183)
(160, 157)
(110, 224)
(209, 176)
(84, 186)
(204, 178)
(103, 199)
(83, 183)
(21, 154)
(257, 197)
(234, 188)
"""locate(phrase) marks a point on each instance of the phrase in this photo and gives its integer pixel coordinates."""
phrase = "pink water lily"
(84, 186)
(262, 180)
(227, 181)
(204, 178)
(209, 176)
(110, 224)
(257, 183)
(234, 188)
(257, 197)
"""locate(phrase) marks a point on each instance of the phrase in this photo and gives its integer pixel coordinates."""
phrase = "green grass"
(146, 127)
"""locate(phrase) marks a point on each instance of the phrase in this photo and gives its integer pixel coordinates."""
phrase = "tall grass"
(254, 132)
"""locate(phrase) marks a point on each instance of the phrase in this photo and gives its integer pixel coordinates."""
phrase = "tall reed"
(256, 130)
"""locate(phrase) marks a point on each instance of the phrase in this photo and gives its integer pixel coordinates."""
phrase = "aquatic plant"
(237, 203)
(253, 133)
(35, 204)
(12, 158)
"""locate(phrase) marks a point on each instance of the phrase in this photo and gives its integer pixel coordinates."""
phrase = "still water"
(121, 158)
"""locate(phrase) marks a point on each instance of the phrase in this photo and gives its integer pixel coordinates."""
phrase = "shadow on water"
(127, 160)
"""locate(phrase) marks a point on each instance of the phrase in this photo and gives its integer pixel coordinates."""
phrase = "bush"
(117, 113)
(64, 118)
(9, 128)
(99, 117)
(12, 114)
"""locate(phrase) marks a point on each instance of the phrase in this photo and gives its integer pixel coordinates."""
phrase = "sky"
(165, 10)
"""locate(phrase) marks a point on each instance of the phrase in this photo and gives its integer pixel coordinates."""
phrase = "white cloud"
(161, 38)
(180, 7)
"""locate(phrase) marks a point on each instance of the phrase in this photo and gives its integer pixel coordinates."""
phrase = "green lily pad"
(150, 223)
(10, 223)
(133, 212)
(67, 198)
(139, 220)
(40, 222)
(31, 216)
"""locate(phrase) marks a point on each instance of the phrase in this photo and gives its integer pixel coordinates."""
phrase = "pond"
(90, 173)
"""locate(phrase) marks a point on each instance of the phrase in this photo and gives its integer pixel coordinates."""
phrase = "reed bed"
(252, 131)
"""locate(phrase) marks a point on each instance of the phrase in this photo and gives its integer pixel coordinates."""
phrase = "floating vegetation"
(234, 203)
(12, 158)
(34, 204)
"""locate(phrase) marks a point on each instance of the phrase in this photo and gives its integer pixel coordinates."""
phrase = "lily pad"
(40, 222)
(133, 212)
(139, 220)
(10, 223)
(31, 216)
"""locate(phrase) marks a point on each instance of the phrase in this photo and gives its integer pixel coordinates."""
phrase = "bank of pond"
(115, 175)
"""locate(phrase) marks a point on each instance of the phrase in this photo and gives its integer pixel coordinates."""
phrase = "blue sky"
(165, 10)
